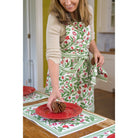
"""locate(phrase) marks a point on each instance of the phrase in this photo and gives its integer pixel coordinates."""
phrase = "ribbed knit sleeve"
(92, 22)
(53, 39)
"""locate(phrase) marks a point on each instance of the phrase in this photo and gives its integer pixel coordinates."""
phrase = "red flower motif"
(72, 47)
(85, 86)
(74, 39)
(82, 120)
(105, 75)
(85, 74)
(90, 88)
(74, 33)
(80, 25)
(88, 33)
(67, 37)
(65, 126)
(70, 78)
(79, 92)
(65, 42)
(77, 96)
(66, 60)
(62, 62)
(54, 124)
(70, 84)
(80, 45)
(81, 50)
(62, 77)
(69, 97)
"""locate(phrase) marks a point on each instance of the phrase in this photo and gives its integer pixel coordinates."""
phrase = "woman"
(70, 37)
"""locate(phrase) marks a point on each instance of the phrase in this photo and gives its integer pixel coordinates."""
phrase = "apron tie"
(82, 59)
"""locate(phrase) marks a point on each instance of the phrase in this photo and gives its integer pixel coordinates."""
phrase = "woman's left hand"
(98, 58)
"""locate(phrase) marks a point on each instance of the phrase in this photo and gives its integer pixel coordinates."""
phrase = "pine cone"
(58, 107)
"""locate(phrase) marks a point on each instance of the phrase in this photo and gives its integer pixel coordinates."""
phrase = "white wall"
(91, 2)
(105, 41)
(31, 46)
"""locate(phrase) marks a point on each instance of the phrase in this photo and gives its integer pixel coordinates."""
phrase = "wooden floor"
(105, 103)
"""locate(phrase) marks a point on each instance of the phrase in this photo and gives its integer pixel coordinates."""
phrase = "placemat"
(62, 127)
(103, 133)
(35, 96)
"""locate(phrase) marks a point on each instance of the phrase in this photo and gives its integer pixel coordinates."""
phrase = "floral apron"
(77, 76)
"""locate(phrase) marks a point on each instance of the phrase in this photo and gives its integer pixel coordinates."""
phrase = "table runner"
(35, 96)
(103, 133)
(62, 127)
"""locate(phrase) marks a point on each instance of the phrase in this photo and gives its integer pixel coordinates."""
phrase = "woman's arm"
(53, 55)
(54, 74)
(98, 57)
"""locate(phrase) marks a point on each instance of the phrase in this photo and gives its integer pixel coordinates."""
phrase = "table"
(32, 130)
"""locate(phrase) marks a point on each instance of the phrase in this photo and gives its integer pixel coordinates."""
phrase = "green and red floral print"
(77, 76)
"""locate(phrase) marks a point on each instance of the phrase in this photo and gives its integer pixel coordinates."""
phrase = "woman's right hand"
(53, 96)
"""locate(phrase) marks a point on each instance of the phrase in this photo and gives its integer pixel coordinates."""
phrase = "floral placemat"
(62, 127)
(35, 96)
(103, 133)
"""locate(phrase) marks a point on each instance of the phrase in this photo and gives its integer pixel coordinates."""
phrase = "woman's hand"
(53, 96)
(98, 58)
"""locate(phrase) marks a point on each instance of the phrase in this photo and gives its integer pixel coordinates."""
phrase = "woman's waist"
(74, 55)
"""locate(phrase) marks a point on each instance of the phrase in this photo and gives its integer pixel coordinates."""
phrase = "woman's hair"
(81, 13)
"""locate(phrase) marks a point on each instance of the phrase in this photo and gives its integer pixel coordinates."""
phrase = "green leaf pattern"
(103, 133)
(35, 96)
